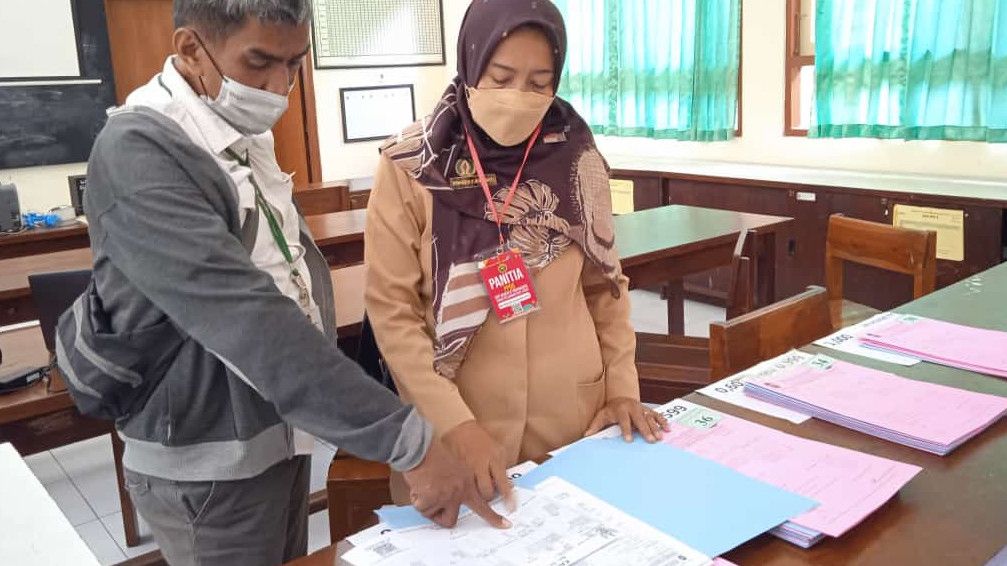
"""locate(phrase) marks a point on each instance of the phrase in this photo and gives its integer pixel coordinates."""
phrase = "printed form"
(556, 524)
(848, 485)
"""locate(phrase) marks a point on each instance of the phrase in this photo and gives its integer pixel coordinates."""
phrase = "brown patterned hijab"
(563, 196)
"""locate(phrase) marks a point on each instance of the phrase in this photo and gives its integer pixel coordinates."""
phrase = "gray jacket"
(202, 362)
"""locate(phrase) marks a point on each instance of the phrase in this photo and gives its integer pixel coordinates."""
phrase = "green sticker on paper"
(699, 417)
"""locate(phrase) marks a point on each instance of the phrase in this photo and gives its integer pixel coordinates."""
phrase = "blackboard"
(58, 122)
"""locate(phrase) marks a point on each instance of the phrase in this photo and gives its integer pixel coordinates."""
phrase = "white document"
(638, 543)
(545, 532)
(381, 529)
(848, 340)
(33, 530)
(732, 389)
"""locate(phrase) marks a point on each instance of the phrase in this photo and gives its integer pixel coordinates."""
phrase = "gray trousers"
(256, 521)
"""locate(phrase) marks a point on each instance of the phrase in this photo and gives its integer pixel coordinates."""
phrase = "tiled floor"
(80, 477)
(650, 314)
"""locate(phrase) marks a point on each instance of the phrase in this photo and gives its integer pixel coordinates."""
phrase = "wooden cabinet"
(800, 253)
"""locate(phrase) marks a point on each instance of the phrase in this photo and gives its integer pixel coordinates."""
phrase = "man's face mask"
(249, 110)
(507, 115)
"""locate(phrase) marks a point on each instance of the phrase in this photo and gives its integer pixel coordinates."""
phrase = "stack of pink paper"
(965, 347)
(847, 484)
(931, 417)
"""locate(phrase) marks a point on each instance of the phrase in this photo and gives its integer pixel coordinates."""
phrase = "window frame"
(793, 63)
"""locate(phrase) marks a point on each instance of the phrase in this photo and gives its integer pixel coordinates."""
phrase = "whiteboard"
(38, 39)
(375, 113)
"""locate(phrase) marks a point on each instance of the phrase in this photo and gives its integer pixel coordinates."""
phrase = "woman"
(499, 392)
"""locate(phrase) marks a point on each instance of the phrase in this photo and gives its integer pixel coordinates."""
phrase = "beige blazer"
(533, 383)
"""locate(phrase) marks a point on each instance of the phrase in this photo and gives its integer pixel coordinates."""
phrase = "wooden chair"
(348, 297)
(674, 366)
(742, 342)
(903, 250)
(356, 488)
(320, 198)
(741, 292)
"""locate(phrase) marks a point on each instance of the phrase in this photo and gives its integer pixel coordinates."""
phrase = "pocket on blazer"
(591, 398)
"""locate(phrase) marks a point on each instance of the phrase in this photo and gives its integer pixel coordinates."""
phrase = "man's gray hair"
(220, 17)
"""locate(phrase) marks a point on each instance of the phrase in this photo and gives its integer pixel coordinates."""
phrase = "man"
(208, 331)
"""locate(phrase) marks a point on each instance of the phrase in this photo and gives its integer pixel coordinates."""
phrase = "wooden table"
(43, 416)
(656, 246)
(955, 511)
(952, 513)
(16, 304)
(44, 240)
(663, 245)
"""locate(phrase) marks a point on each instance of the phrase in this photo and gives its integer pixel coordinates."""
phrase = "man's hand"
(440, 485)
(629, 414)
(484, 458)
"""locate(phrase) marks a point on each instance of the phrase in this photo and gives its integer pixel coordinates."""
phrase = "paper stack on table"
(927, 416)
(732, 389)
(703, 504)
(851, 340)
(965, 347)
(706, 505)
(847, 484)
(556, 524)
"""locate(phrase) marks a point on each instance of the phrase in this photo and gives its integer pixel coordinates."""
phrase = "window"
(664, 69)
(897, 69)
(799, 92)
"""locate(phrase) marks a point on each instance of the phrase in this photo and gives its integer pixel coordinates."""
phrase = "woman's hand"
(484, 457)
(629, 413)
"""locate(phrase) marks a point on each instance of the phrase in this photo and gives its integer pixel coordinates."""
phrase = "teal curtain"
(664, 69)
(911, 69)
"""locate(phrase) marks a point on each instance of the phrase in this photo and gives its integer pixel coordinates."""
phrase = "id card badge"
(508, 283)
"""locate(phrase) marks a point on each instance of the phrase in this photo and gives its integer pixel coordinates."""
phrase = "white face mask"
(507, 115)
(251, 111)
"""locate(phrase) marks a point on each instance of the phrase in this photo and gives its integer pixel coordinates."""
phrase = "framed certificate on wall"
(376, 112)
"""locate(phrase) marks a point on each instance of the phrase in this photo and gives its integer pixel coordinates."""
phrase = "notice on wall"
(622, 196)
(948, 223)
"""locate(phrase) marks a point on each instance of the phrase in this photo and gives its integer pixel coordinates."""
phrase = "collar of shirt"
(216, 132)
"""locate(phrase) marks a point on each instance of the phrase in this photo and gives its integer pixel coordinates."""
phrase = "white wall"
(763, 48)
(763, 141)
(42, 188)
(359, 159)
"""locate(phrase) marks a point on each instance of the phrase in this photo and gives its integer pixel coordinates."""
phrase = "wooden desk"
(44, 240)
(954, 512)
(809, 196)
(663, 245)
(656, 246)
(660, 246)
(42, 417)
(15, 296)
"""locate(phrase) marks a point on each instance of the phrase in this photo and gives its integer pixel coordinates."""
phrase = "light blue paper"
(403, 517)
(709, 507)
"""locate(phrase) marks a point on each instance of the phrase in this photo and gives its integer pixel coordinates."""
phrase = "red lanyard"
(513, 187)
